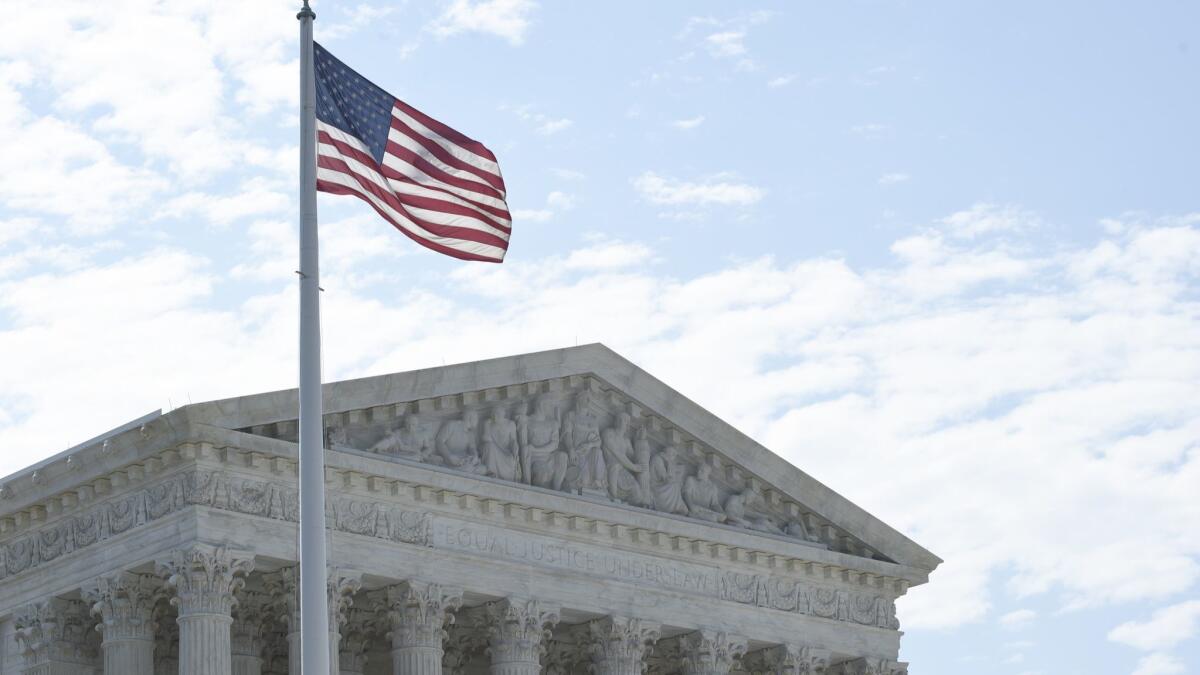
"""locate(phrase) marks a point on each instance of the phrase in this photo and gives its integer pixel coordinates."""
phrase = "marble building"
(556, 512)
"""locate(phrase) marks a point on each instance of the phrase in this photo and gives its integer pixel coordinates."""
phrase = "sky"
(943, 256)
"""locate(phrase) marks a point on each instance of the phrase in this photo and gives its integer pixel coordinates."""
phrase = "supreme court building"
(557, 512)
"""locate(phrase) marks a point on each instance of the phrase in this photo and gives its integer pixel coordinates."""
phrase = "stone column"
(283, 588)
(617, 645)
(205, 579)
(517, 632)
(250, 617)
(356, 641)
(55, 637)
(125, 604)
(787, 660)
(709, 652)
(417, 613)
(342, 587)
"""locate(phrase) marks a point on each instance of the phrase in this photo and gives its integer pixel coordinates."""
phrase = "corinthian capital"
(518, 629)
(205, 578)
(124, 601)
(55, 631)
(418, 611)
(709, 652)
(618, 644)
(788, 660)
(342, 587)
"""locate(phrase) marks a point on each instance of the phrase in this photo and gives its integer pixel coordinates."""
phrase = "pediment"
(581, 421)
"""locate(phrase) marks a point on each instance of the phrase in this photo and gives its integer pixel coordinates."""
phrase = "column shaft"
(204, 646)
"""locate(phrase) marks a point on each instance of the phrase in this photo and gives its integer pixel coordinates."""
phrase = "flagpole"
(314, 613)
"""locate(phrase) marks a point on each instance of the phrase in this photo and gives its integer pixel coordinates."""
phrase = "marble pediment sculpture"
(567, 491)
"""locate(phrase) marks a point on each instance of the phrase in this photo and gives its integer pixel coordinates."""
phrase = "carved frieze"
(201, 487)
(579, 439)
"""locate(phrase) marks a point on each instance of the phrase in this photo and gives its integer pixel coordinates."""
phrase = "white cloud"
(508, 19)
(688, 124)
(870, 130)
(719, 190)
(1159, 664)
(567, 174)
(543, 124)
(726, 43)
(983, 219)
(781, 81)
(1168, 627)
(893, 178)
(556, 203)
(1018, 619)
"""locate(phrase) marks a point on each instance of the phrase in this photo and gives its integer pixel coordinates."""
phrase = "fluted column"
(517, 632)
(417, 615)
(356, 641)
(205, 579)
(282, 586)
(250, 617)
(617, 645)
(342, 586)
(55, 637)
(787, 660)
(709, 652)
(125, 604)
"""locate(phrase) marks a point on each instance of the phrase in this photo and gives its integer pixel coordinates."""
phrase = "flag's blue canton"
(351, 103)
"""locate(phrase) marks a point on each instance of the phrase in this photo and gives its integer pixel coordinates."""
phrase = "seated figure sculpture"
(624, 472)
(543, 462)
(666, 481)
(456, 444)
(702, 497)
(499, 448)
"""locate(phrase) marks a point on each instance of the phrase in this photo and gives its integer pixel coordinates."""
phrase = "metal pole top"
(306, 12)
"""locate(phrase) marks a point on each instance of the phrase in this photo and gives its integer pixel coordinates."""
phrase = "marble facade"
(557, 512)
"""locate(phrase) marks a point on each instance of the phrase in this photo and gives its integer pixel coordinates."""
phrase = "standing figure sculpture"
(702, 497)
(624, 473)
(666, 481)
(581, 430)
(543, 463)
(457, 444)
(410, 441)
(499, 448)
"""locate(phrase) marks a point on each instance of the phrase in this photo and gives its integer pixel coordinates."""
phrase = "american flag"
(434, 184)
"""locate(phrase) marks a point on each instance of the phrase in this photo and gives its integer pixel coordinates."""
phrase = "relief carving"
(203, 488)
(596, 447)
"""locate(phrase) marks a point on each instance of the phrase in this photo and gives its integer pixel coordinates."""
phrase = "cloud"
(1018, 619)
(719, 190)
(508, 19)
(984, 218)
(893, 178)
(567, 174)
(1168, 627)
(688, 124)
(727, 39)
(870, 131)
(543, 124)
(1159, 664)
(781, 81)
(556, 203)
